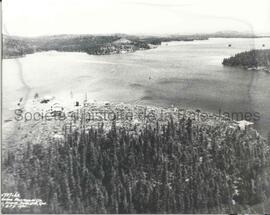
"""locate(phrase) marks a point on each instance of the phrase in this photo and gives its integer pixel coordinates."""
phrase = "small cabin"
(243, 124)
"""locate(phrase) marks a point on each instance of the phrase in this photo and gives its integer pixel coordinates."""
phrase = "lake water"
(188, 74)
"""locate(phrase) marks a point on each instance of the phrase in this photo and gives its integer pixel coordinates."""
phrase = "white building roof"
(243, 123)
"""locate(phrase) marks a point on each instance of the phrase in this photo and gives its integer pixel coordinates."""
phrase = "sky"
(51, 17)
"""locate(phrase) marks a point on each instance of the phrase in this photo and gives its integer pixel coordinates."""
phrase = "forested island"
(253, 59)
(149, 165)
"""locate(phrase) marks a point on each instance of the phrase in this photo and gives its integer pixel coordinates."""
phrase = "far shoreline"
(16, 47)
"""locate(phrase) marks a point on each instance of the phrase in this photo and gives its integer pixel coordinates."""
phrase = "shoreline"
(254, 59)
(125, 50)
(123, 114)
(185, 134)
(131, 117)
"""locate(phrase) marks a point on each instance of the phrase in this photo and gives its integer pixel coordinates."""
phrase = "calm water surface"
(189, 74)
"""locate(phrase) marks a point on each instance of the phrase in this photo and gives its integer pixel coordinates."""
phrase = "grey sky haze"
(49, 17)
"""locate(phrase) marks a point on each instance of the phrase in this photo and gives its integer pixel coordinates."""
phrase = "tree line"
(249, 59)
(173, 167)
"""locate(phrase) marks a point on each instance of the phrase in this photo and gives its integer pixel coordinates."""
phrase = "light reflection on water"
(189, 74)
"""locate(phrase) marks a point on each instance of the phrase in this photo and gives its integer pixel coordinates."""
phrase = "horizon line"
(225, 32)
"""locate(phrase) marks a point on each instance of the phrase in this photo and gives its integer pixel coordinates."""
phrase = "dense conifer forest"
(250, 59)
(173, 167)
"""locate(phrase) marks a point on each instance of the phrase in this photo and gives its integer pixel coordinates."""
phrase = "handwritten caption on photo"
(14, 200)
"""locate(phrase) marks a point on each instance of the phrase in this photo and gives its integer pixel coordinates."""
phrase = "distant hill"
(91, 44)
(234, 34)
(14, 46)
(95, 45)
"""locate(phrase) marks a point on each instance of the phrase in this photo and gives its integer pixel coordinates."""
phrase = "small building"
(243, 124)
(122, 41)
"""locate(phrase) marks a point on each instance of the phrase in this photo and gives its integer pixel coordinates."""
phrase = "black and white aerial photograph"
(135, 107)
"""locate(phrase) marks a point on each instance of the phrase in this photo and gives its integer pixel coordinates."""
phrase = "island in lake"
(251, 60)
